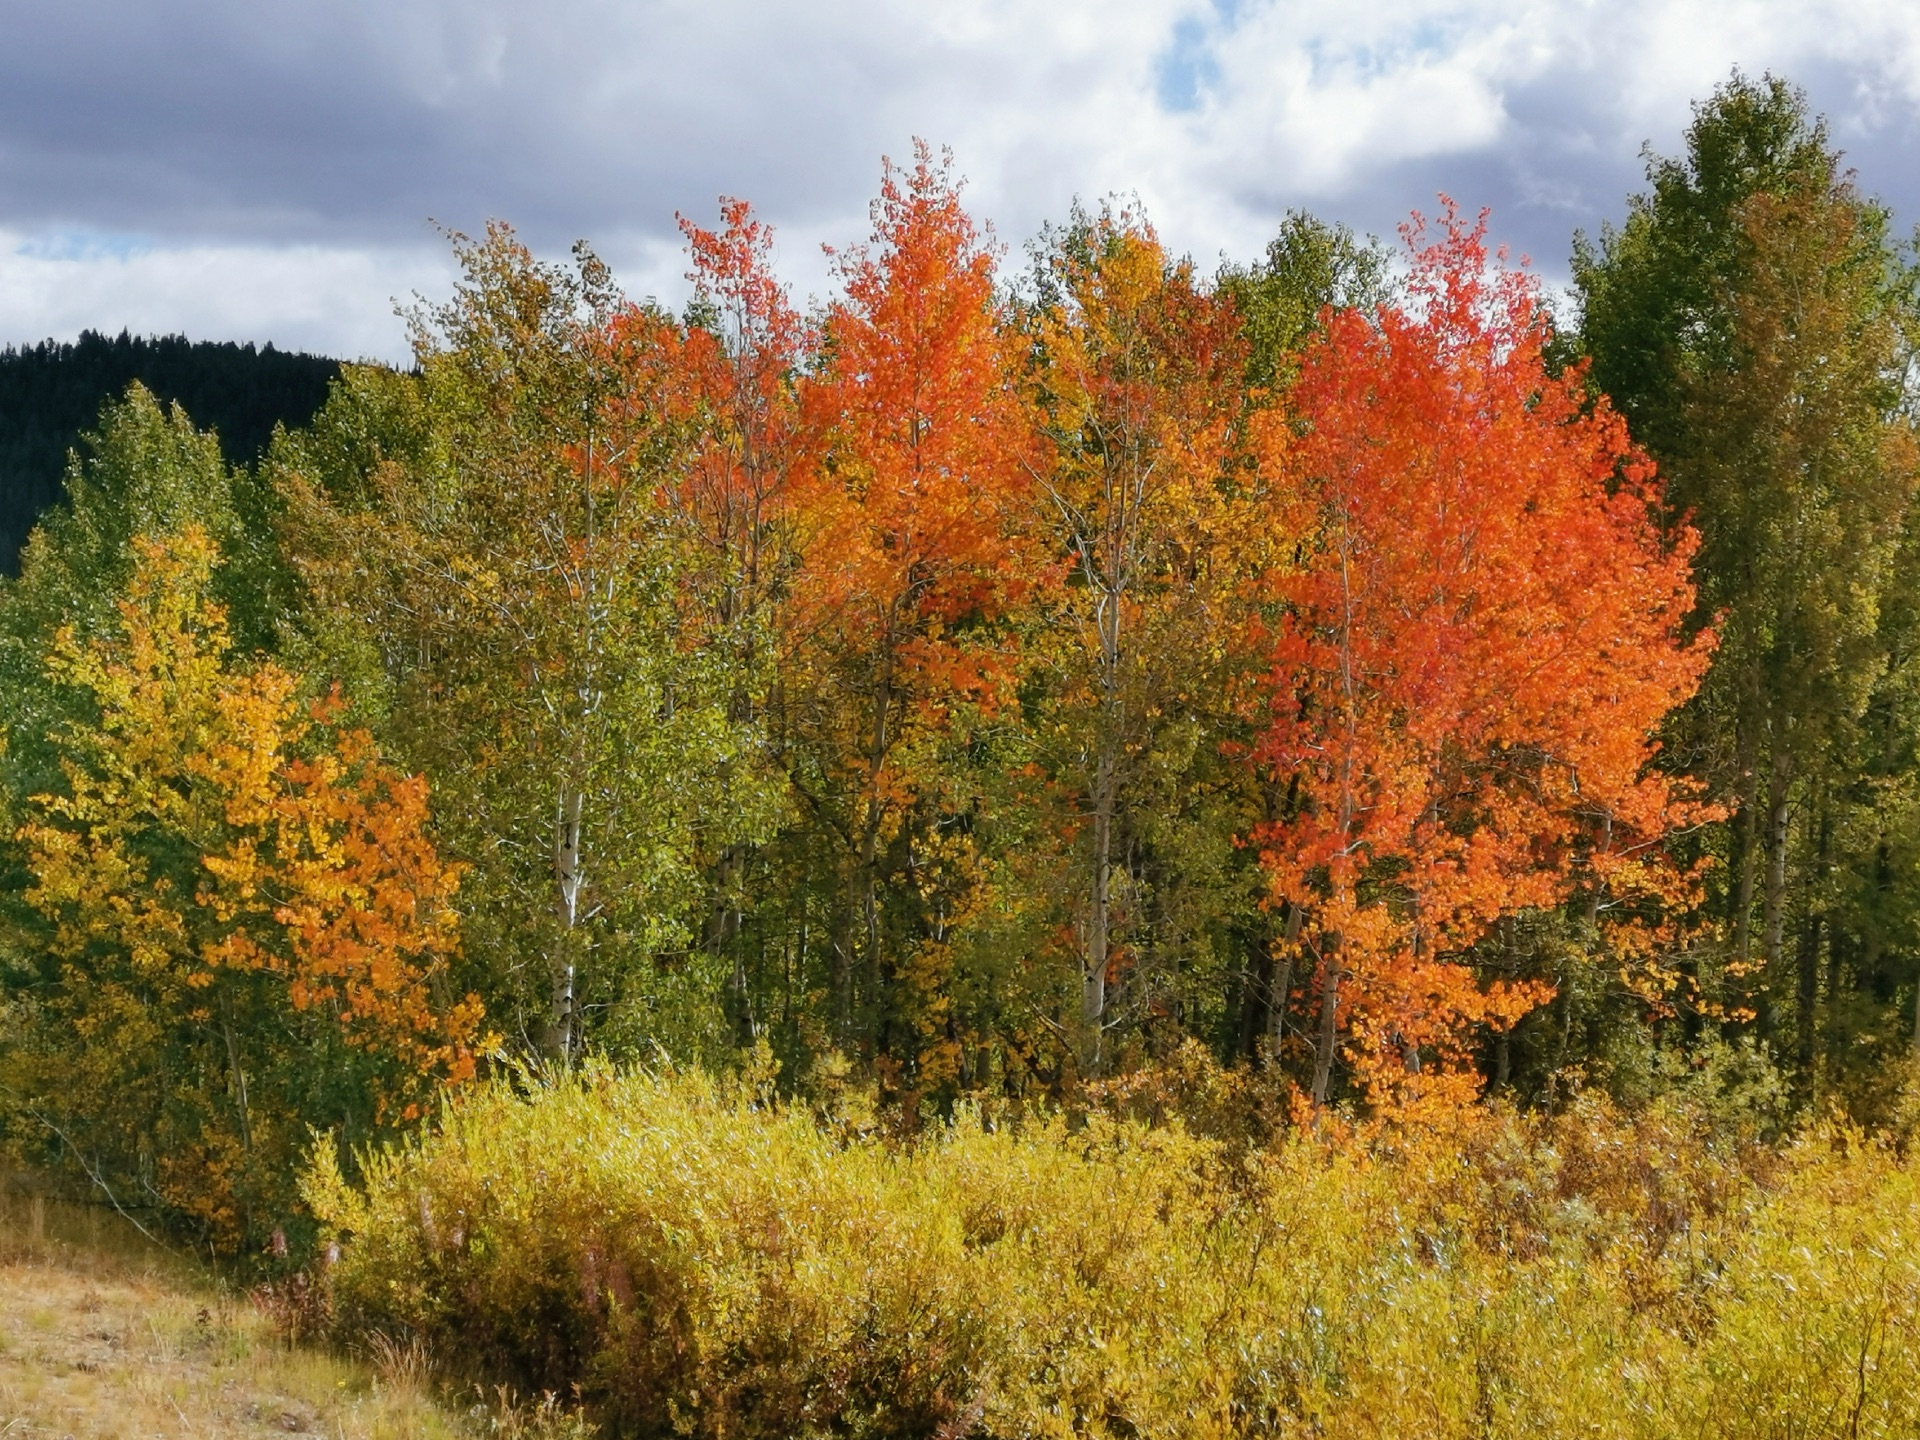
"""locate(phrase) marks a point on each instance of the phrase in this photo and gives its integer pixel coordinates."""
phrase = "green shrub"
(699, 1261)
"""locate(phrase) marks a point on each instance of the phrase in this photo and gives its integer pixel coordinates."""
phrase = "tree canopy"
(996, 686)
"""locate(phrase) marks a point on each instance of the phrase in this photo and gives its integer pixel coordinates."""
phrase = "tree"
(488, 545)
(732, 374)
(1471, 659)
(1309, 269)
(1749, 319)
(728, 379)
(51, 392)
(913, 518)
(245, 920)
(146, 469)
(1140, 377)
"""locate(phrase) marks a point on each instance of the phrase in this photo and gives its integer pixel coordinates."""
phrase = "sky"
(279, 170)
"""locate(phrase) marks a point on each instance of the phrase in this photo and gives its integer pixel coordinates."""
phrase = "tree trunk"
(722, 937)
(1740, 897)
(1106, 785)
(866, 896)
(241, 1107)
(1270, 984)
(1807, 998)
(841, 943)
(1773, 903)
(866, 923)
(1282, 987)
(1329, 1011)
(1250, 991)
(569, 875)
(1813, 932)
(1093, 994)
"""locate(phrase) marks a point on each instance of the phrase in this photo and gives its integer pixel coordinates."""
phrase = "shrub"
(698, 1260)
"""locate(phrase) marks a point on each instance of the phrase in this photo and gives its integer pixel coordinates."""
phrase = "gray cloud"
(265, 168)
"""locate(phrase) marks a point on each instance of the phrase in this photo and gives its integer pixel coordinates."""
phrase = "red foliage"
(1476, 648)
(731, 378)
(923, 428)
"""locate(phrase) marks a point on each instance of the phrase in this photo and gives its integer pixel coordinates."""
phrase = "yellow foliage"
(234, 889)
(700, 1261)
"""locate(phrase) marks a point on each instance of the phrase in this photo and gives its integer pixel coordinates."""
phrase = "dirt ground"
(105, 1335)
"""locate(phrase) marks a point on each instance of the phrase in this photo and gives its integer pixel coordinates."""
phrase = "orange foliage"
(1474, 655)
(912, 554)
(215, 833)
(333, 883)
(729, 382)
(923, 430)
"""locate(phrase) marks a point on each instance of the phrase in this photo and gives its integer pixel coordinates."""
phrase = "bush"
(697, 1260)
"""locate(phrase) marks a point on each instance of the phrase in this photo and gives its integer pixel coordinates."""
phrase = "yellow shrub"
(700, 1262)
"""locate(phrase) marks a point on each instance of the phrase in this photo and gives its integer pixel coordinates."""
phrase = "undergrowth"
(693, 1258)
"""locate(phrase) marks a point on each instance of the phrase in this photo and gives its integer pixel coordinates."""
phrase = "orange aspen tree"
(729, 378)
(913, 511)
(1470, 663)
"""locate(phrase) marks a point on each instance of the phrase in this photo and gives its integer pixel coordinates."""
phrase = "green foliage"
(1309, 266)
(147, 470)
(1653, 293)
(700, 1261)
(484, 558)
(50, 393)
(1753, 320)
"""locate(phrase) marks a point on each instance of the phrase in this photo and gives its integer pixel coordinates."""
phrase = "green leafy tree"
(1749, 319)
(485, 543)
(1308, 267)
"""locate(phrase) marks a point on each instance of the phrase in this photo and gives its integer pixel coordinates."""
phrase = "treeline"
(50, 393)
(999, 680)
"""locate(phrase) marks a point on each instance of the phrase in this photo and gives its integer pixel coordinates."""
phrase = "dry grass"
(104, 1335)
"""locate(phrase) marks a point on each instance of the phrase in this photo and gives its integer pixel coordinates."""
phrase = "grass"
(104, 1334)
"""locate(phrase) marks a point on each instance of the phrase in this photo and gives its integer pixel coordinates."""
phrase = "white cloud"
(279, 158)
(328, 301)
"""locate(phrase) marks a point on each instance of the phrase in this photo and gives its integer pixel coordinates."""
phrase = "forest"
(50, 393)
(1052, 844)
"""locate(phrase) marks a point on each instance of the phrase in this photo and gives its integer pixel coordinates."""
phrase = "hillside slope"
(50, 393)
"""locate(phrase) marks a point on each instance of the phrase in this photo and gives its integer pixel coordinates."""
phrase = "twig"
(97, 1178)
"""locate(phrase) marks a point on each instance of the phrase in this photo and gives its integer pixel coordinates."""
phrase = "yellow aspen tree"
(246, 917)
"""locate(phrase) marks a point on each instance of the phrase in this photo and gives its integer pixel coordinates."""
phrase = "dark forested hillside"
(51, 392)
